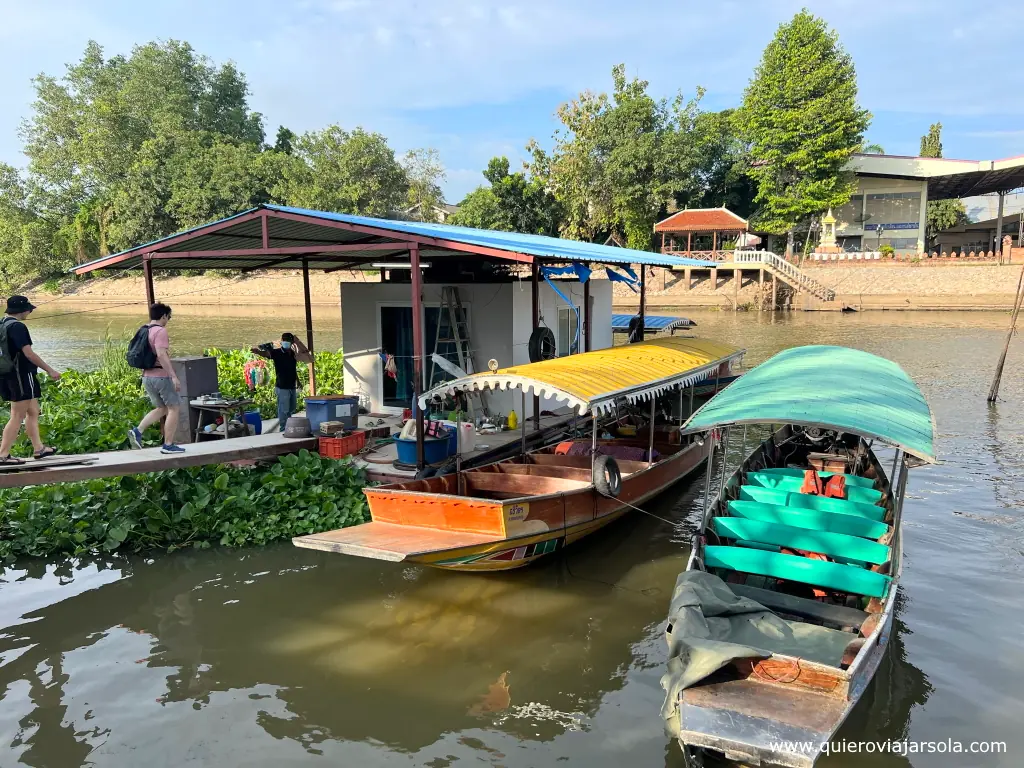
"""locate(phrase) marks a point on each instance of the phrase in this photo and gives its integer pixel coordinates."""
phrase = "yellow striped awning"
(593, 381)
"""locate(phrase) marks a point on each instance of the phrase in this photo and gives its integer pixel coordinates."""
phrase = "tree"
(479, 209)
(872, 148)
(345, 172)
(718, 171)
(284, 141)
(802, 122)
(424, 172)
(941, 214)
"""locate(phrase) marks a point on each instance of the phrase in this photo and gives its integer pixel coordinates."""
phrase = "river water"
(281, 656)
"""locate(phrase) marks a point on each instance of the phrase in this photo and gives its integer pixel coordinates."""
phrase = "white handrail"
(800, 278)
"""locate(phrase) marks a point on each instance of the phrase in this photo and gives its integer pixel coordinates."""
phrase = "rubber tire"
(542, 345)
(636, 332)
(607, 477)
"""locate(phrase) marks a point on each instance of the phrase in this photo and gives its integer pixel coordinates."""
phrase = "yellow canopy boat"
(508, 514)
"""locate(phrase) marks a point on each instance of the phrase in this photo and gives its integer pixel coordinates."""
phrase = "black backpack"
(140, 351)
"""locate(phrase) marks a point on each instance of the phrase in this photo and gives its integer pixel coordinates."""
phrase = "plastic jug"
(513, 420)
(467, 437)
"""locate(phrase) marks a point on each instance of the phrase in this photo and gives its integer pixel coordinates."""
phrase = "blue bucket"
(254, 419)
(435, 449)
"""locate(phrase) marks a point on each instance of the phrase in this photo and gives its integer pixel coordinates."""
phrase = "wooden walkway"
(117, 463)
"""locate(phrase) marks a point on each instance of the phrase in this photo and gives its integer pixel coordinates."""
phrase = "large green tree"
(345, 171)
(802, 122)
(941, 214)
(513, 202)
(424, 173)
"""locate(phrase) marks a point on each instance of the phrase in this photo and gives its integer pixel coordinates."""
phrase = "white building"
(377, 318)
(891, 202)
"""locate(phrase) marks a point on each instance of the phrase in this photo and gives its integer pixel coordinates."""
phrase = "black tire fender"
(607, 477)
(542, 344)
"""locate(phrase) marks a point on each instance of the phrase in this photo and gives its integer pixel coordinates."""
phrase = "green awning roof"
(834, 387)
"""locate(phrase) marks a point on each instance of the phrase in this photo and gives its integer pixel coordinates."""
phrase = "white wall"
(500, 322)
(486, 305)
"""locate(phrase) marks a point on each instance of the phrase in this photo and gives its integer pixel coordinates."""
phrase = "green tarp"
(836, 387)
(709, 626)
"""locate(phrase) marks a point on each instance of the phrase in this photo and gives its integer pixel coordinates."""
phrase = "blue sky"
(476, 78)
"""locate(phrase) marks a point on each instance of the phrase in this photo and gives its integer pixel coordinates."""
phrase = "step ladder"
(453, 331)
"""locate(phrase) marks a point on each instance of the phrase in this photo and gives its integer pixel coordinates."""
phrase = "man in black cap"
(18, 382)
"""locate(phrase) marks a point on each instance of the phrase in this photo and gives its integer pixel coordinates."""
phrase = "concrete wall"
(500, 321)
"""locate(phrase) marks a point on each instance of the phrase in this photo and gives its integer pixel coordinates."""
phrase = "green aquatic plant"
(197, 507)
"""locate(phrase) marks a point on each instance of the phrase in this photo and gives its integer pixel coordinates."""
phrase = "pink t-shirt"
(158, 340)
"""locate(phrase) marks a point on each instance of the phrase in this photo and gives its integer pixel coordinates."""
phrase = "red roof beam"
(299, 250)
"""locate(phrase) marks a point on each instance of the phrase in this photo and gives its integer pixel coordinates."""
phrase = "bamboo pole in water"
(994, 389)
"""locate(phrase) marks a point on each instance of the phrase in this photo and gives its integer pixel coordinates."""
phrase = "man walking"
(19, 384)
(285, 358)
(160, 383)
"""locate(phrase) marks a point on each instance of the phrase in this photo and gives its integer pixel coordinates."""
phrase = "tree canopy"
(126, 149)
(941, 214)
(802, 122)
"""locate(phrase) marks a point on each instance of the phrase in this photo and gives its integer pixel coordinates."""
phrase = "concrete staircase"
(788, 273)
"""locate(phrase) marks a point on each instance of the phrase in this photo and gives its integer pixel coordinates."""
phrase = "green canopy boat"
(784, 611)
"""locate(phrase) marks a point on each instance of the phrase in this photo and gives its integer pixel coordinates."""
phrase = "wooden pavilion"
(705, 230)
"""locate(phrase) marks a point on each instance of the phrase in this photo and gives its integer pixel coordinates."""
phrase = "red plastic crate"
(340, 447)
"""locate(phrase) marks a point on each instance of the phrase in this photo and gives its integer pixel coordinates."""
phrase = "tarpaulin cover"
(710, 626)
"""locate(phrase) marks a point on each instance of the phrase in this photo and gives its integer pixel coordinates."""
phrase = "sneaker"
(135, 437)
(165, 448)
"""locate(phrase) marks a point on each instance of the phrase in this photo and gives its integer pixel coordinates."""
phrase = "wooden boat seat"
(553, 459)
(793, 484)
(813, 519)
(518, 486)
(818, 573)
(822, 542)
(860, 482)
(804, 501)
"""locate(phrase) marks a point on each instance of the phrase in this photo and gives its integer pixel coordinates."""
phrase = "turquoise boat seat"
(818, 573)
(860, 482)
(813, 519)
(825, 543)
(793, 484)
(804, 501)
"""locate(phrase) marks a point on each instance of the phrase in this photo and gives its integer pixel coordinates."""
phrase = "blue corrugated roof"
(534, 245)
(513, 242)
(651, 322)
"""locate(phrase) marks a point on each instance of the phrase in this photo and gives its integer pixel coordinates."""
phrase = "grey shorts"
(161, 391)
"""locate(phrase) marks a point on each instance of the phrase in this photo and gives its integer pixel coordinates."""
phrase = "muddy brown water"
(280, 656)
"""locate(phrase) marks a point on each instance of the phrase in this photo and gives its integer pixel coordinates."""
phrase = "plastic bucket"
(343, 408)
(434, 450)
(253, 419)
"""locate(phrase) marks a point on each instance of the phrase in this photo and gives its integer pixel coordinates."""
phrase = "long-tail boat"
(785, 608)
(510, 513)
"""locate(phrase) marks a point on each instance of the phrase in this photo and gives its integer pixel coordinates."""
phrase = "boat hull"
(767, 716)
(415, 523)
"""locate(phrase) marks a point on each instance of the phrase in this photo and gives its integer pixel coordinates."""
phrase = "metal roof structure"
(652, 322)
(947, 179)
(831, 387)
(279, 237)
(594, 381)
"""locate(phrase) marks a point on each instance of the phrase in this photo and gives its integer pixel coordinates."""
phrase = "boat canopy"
(831, 387)
(593, 381)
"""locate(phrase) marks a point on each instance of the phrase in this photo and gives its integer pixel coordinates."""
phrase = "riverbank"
(886, 286)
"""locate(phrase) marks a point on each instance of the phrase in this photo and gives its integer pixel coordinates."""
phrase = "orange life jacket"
(812, 483)
(835, 488)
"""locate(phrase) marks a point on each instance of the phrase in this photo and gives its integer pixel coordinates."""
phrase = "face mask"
(286, 345)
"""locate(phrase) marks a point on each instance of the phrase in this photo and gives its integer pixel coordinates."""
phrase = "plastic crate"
(339, 447)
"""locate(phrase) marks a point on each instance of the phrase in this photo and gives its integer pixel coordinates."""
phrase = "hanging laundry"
(390, 367)
(255, 373)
